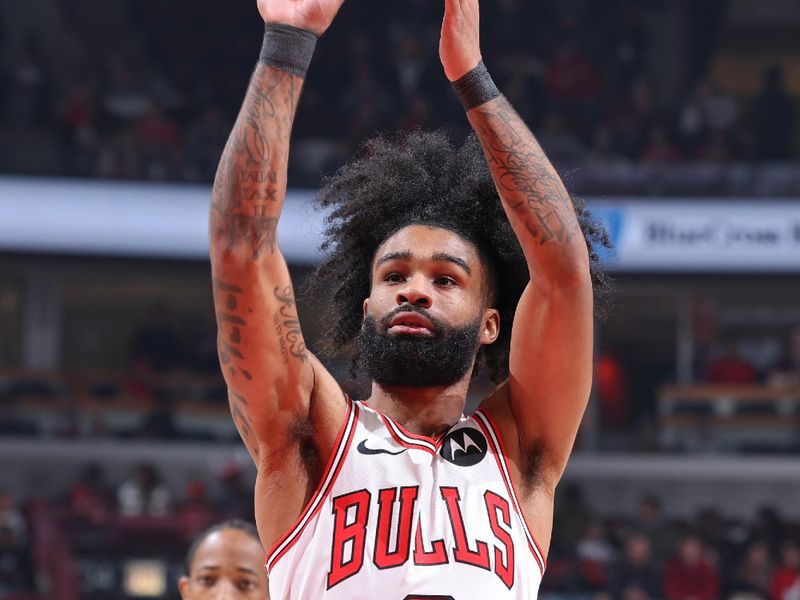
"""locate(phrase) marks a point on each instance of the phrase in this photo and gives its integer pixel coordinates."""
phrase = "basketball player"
(225, 562)
(441, 261)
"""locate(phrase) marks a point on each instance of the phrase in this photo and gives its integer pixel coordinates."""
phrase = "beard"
(417, 360)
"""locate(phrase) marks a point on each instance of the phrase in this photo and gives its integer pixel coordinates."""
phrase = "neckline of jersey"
(435, 440)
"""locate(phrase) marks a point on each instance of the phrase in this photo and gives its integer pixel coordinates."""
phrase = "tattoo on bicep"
(259, 231)
(229, 326)
(287, 326)
(526, 180)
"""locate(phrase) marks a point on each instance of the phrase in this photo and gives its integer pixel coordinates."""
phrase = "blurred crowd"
(764, 359)
(647, 555)
(141, 516)
(149, 90)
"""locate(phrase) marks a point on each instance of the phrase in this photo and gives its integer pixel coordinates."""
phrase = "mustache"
(437, 323)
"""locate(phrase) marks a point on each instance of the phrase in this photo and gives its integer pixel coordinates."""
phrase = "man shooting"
(441, 261)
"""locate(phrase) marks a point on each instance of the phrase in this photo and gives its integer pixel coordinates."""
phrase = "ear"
(366, 306)
(491, 326)
(183, 587)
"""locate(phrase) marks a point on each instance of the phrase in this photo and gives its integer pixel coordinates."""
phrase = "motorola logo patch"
(464, 447)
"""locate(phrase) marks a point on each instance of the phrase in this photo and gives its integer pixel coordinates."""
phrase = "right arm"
(260, 344)
(271, 377)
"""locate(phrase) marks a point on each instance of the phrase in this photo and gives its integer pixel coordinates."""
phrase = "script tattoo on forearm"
(287, 327)
(251, 177)
(527, 181)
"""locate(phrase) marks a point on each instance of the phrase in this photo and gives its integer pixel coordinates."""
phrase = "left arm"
(551, 342)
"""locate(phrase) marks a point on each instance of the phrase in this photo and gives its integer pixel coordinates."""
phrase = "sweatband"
(288, 48)
(476, 87)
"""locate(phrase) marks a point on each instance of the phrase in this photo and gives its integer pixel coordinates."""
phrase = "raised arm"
(551, 341)
(269, 373)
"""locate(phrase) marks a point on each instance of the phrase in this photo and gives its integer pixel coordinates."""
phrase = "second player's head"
(424, 270)
(225, 562)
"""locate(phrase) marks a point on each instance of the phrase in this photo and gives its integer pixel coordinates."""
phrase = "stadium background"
(675, 119)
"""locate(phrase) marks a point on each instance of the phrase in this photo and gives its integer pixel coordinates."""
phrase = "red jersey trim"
(329, 475)
(489, 428)
(407, 439)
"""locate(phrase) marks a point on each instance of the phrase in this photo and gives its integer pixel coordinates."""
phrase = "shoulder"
(328, 407)
(527, 459)
(527, 466)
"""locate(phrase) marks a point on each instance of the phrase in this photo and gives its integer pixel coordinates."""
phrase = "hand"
(459, 45)
(313, 15)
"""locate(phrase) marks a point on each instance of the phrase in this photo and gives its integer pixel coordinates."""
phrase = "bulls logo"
(464, 447)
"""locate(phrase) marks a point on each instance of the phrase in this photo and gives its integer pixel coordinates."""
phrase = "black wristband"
(288, 48)
(476, 87)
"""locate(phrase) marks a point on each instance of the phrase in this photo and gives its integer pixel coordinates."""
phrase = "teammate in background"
(434, 253)
(225, 562)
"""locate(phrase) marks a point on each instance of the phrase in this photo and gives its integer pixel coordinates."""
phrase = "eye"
(207, 580)
(444, 280)
(246, 585)
(394, 278)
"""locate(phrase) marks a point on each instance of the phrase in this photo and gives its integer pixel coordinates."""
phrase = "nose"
(415, 292)
(225, 590)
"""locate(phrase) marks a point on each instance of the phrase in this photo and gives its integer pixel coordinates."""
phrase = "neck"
(424, 411)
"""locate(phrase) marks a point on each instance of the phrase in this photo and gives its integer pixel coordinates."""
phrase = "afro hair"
(422, 178)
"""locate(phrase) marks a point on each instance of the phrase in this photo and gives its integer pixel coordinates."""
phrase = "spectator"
(708, 113)
(731, 367)
(658, 149)
(126, 98)
(196, 512)
(611, 389)
(559, 140)
(636, 576)
(572, 81)
(89, 497)
(628, 44)
(156, 343)
(77, 115)
(650, 521)
(144, 494)
(595, 555)
(235, 500)
(11, 518)
(785, 584)
(787, 373)
(159, 423)
(754, 574)
(774, 118)
(572, 516)
(205, 141)
(690, 575)
(226, 561)
(31, 87)
(768, 527)
(16, 568)
(629, 117)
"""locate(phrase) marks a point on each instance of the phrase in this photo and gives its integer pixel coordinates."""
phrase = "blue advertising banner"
(170, 221)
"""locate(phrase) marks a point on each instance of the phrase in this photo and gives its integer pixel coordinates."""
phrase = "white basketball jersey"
(399, 516)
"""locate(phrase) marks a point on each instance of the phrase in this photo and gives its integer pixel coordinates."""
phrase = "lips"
(410, 323)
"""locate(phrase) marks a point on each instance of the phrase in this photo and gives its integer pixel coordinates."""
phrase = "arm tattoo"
(525, 179)
(287, 327)
(251, 177)
(230, 325)
(242, 421)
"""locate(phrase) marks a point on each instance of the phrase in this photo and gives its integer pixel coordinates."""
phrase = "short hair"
(421, 178)
(235, 524)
